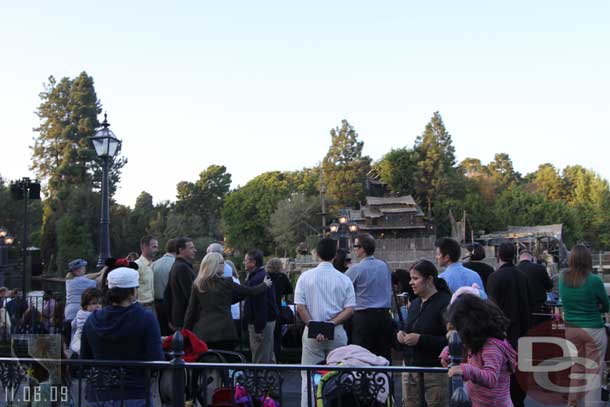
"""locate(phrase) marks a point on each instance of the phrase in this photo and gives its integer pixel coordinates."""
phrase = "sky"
(257, 86)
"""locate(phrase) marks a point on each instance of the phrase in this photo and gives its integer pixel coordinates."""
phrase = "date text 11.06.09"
(29, 394)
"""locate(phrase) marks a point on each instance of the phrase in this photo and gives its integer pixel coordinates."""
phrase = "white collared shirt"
(325, 292)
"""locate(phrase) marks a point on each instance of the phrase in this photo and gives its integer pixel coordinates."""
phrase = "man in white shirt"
(323, 294)
(146, 291)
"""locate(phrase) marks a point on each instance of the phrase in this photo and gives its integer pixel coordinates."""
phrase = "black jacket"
(428, 320)
(178, 291)
(483, 269)
(260, 309)
(509, 289)
(539, 281)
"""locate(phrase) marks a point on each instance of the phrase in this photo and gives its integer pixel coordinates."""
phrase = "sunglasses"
(357, 246)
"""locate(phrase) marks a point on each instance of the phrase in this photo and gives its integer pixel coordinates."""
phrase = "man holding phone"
(323, 296)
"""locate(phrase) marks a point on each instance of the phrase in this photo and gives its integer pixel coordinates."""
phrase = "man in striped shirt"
(323, 294)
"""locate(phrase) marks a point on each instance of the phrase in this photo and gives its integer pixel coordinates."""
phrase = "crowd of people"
(124, 311)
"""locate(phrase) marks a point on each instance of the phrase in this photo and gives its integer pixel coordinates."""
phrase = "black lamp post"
(26, 189)
(6, 241)
(106, 147)
(343, 230)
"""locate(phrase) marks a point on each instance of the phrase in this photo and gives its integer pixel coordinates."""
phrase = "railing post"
(459, 397)
(177, 364)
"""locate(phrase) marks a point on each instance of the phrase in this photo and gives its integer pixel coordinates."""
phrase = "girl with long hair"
(208, 313)
(424, 336)
(584, 301)
(491, 359)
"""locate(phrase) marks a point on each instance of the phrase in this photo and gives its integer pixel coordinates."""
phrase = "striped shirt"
(324, 291)
(488, 374)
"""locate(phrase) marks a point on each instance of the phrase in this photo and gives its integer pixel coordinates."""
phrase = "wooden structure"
(391, 217)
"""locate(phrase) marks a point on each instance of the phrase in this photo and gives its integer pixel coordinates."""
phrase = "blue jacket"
(260, 309)
(122, 333)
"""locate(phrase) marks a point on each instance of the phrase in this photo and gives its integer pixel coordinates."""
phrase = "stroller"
(352, 388)
(205, 386)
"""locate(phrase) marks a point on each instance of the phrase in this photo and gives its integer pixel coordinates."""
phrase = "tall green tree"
(344, 168)
(435, 162)
(64, 159)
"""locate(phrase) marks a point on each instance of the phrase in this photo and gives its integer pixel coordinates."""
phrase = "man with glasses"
(372, 279)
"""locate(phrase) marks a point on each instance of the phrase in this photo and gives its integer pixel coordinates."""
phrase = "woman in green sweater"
(584, 301)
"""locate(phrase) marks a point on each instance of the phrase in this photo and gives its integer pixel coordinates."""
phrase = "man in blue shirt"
(448, 253)
(372, 279)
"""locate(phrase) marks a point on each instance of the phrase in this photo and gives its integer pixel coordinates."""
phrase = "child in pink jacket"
(491, 359)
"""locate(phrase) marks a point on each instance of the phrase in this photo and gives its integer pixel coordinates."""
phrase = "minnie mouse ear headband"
(473, 290)
(113, 263)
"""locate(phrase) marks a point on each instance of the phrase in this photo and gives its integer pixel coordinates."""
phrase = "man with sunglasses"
(372, 279)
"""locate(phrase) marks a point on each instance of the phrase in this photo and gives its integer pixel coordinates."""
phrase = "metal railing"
(96, 383)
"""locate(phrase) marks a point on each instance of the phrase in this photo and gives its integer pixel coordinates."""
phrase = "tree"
(344, 168)
(502, 173)
(397, 169)
(435, 162)
(200, 202)
(517, 207)
(473, 168)
(589, 195)
(64, 159)
(293, 221)
(547, 181)
(247, 211)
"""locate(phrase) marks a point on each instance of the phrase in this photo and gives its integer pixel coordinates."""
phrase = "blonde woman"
(208, 313)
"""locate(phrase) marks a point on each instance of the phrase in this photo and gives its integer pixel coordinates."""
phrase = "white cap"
(123, 277)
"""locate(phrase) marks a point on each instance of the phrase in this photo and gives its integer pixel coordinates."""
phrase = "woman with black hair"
(424, 336)
(491, 359)
(122, 330)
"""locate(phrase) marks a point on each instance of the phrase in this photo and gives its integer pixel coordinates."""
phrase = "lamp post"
(6, 241)
(106, 147)
(26, 189)
(343, 230)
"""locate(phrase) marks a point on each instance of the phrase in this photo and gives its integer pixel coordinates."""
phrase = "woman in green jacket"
(584, 301)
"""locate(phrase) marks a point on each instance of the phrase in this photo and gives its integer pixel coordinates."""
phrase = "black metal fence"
(213, 381)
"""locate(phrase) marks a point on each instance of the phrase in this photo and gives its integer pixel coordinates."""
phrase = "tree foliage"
(397, 169)
(435, 157)
(344, 168)
(64, 159)
(295, 221)
(247, 211)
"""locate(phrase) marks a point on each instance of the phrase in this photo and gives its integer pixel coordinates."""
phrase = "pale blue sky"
(256, 86)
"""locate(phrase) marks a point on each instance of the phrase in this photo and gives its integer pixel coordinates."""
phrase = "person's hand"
(401, 336)
(320, 338)
(444, 363)
(411, 339)
(267, 281)
(455, 370)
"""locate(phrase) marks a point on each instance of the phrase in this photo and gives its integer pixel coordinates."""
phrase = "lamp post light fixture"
(106, 145)
(6, 240)
(343, 230)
